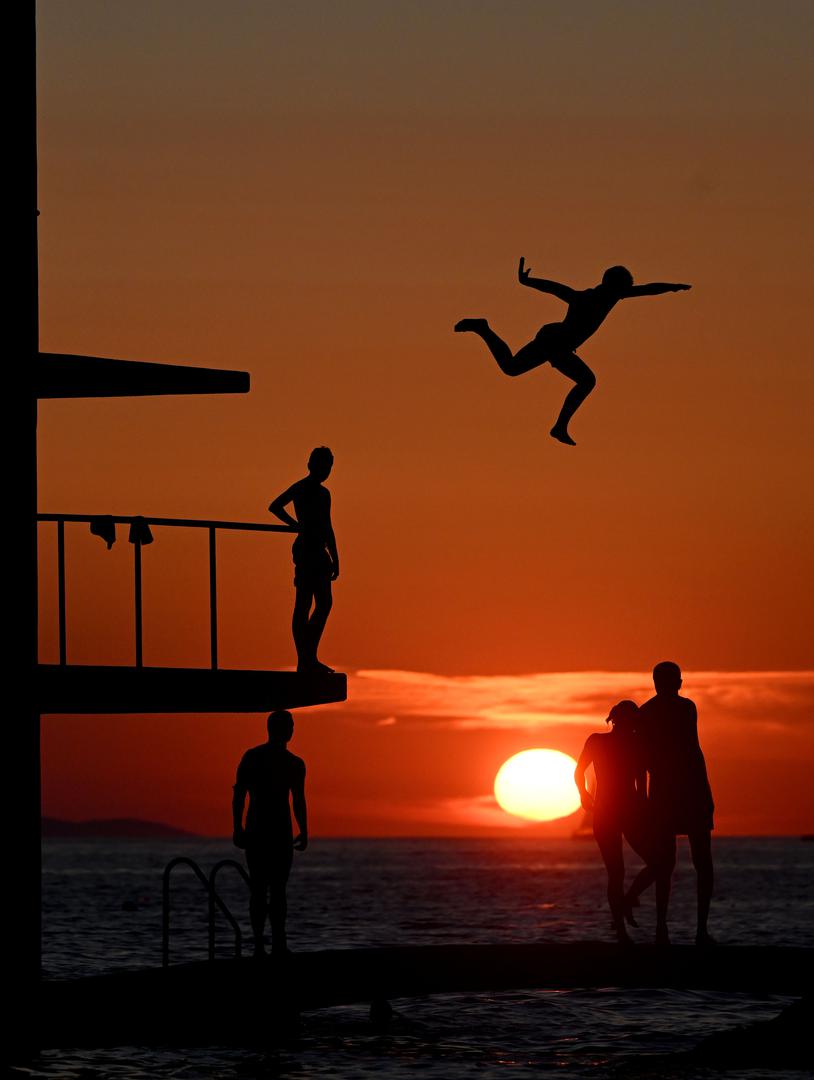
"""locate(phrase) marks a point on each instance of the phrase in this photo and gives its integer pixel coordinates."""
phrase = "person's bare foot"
(704, 939)
(314, 667)
(561, 435)
(662, 937)
(475, 325)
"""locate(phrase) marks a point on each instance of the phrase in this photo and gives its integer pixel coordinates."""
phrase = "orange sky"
(315, 194)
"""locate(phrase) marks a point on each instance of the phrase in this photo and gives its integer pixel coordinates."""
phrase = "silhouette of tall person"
(274, 780)
(316, 561)
(679, 794)
(556, 343)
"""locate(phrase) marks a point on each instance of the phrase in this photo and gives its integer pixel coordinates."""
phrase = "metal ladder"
(214, 900)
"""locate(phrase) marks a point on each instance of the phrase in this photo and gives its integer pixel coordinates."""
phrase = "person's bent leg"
(610, 847)
(584, 381)
(641, 841)
(299, 625)
(701, 851)
(526, 358)
(643, 880)
(323, 602)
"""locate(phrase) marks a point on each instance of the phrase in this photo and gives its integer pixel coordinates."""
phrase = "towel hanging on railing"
(105, 527)
(140, 532)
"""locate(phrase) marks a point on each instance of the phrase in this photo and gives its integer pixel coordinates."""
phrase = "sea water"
(102, 911)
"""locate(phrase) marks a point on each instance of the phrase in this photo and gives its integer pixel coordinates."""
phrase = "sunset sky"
(316, 193)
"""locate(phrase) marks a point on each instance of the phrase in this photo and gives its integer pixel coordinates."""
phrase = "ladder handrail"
(183, 860)
(213, 873)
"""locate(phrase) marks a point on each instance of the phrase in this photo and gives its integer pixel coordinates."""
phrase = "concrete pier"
(228, 1000)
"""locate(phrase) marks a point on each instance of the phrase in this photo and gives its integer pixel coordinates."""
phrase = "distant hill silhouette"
(123, 828)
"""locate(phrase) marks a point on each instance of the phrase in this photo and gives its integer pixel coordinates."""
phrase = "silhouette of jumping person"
(556, 343)
(316, 562)
(679, 796)
(619, 802)
(271, 776)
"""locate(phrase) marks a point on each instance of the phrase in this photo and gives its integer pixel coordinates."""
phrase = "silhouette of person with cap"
(618, 804)
(556, 343)
(679, 796)
(316, 561)
(274, 780)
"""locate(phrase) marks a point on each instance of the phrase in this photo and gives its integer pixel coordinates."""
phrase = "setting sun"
(537, 784)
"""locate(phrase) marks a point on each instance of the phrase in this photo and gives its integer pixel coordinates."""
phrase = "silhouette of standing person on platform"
(556, 343)
(316, 562)
(274, 780)
(618, 805)
(679, 796)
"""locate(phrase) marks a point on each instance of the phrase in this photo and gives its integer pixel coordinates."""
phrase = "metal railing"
(214, 901)
(187, 523)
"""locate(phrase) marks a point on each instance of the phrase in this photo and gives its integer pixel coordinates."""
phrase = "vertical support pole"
(137, 567)
(22, 965)
(63, 648)
(213, 598)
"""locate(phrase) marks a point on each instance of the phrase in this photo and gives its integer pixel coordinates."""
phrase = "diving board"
(66, 375)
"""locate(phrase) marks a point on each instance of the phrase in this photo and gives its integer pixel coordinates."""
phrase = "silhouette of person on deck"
(679, 796)
(316, 561)
(274, 780)
(556, 343)
(618, 804)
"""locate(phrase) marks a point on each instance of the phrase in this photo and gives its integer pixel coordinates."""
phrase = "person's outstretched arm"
(278, 508)
(556, 288)
(655, 288)
(585, 759)
(300, 809)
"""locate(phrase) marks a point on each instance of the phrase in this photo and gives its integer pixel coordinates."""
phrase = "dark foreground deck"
(228, 1000)
(80, 688)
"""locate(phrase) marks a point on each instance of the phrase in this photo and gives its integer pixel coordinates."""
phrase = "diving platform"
(224, 1000)
(66, 375)
(84, 689)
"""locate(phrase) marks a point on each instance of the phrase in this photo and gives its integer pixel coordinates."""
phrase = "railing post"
(137, 564)
(63, 648)
(213, 597)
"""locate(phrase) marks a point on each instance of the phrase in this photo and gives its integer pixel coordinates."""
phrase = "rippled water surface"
(102, 910)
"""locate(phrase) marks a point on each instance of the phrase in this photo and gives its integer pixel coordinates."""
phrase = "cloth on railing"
(140, 532)
(105, 527)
